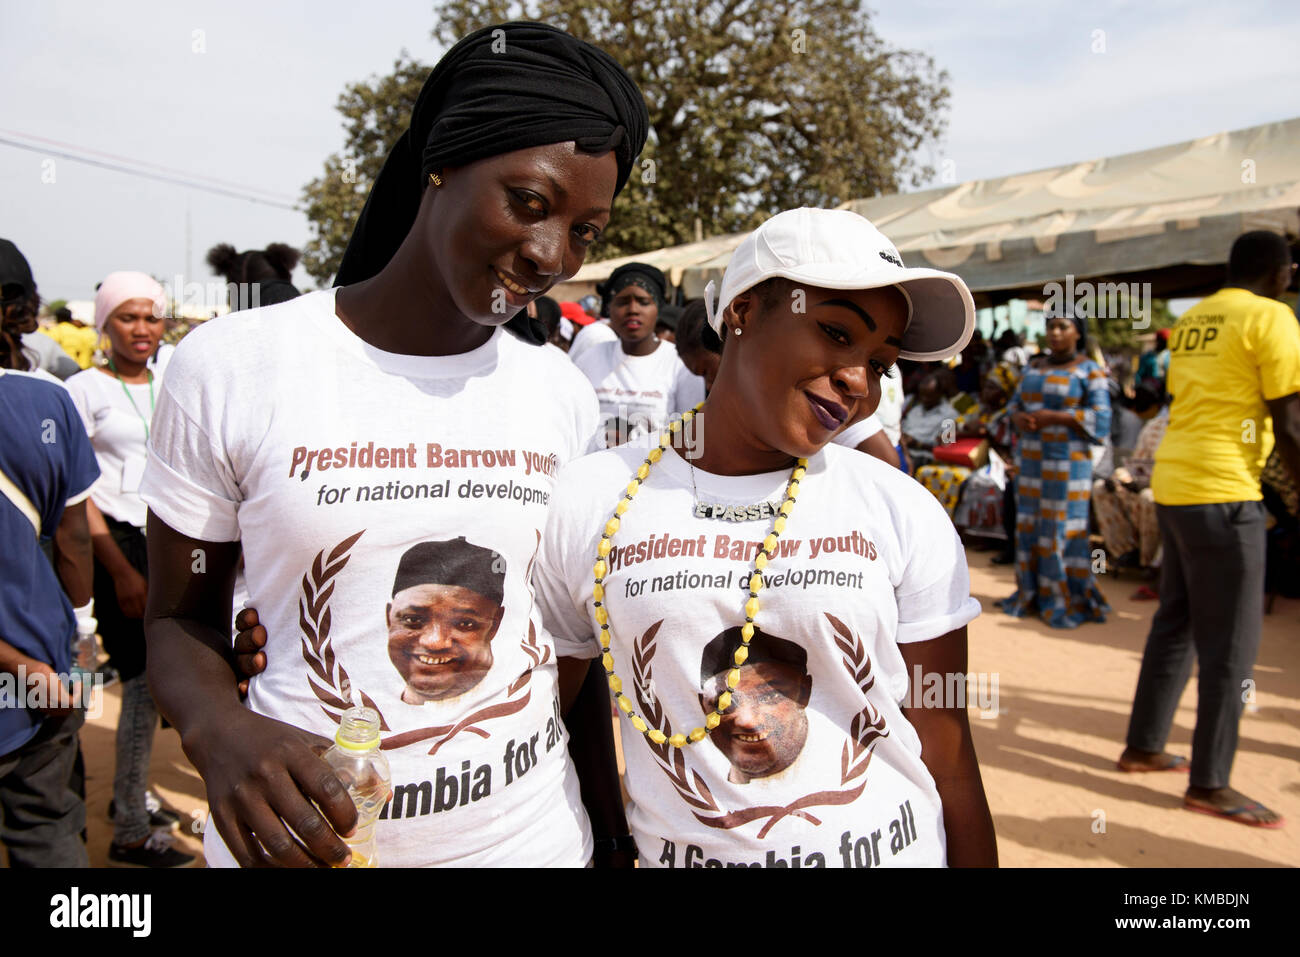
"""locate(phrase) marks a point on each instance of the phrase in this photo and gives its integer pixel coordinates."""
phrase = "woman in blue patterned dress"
(1060, 410)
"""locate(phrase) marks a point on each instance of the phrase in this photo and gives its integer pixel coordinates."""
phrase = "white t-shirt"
(890, 409)
(163, 355)
(858, 432)
(644, 391)
(116, 420)
(849, 585)
(330, 460)
(591, 335)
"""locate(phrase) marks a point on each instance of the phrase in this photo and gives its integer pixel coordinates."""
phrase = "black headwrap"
(1068, 310)
(632, 274)
(454, 562)
(14, 270)
(1081, 324)
(503, 88)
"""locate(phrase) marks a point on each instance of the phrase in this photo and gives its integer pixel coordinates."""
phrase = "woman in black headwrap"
(638, 379)
(425, 423)
(499, 91)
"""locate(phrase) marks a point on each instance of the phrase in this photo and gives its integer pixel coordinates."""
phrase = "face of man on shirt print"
(445, 611)
(764, 730)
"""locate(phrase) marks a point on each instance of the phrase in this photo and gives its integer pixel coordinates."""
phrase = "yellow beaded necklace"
(765, 554)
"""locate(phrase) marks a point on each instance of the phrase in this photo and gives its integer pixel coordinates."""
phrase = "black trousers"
(1211, 611)
(123, 637)
(42, 818)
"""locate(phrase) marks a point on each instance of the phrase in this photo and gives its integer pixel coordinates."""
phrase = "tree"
(1119, 333)
(755, 106)
(375, 113)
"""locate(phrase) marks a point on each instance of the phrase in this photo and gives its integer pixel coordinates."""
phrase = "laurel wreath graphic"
(671, 760)
(333, 686)
(865, 729)
(868, 725)
(334, 690)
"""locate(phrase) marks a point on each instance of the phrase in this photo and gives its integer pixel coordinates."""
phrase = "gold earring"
(435, 179)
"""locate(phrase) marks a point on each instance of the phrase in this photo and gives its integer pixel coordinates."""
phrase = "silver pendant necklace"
(730, 513)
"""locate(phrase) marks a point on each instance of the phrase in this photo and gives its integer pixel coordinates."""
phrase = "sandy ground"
(1048, 756)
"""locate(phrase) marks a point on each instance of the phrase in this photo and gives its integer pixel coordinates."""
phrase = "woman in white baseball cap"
(774, 612)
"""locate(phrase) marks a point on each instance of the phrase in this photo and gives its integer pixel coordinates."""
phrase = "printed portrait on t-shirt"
(765, 729)
(445, 611)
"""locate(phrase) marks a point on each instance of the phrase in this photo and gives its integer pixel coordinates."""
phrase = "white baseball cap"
(838, 249)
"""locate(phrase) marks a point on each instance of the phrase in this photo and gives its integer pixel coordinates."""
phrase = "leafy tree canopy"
(755, 106)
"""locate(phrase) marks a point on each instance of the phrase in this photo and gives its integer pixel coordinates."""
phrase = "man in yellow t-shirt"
(77, 339)
(1234, 376)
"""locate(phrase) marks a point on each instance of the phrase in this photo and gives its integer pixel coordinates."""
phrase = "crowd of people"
(742, 516)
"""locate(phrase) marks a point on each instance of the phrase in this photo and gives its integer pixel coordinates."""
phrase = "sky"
(243, 94)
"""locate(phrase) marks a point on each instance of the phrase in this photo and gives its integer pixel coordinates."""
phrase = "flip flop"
(1176, 763)
(1238, 814)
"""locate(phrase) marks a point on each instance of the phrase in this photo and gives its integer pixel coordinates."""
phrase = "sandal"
(1245, 814)
(1172, 762)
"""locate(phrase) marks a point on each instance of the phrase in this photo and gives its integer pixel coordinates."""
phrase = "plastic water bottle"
(84, 650)
(85, 655)
(363, 769)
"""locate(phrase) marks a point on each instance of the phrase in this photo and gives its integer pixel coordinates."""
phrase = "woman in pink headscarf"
(116, 402)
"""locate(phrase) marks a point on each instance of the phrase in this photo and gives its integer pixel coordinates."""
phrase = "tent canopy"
(673, 261)
(1167, 216)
